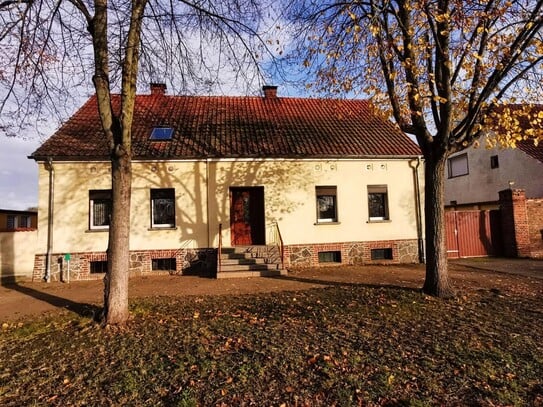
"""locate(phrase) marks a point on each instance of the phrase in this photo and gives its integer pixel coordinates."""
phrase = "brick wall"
(535, 226)
(187, 261)
(403, 251)
(514, 223)
(521, 224)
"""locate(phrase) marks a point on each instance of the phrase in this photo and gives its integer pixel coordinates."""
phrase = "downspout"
(49, 167)
(207, 205)
(418, 209)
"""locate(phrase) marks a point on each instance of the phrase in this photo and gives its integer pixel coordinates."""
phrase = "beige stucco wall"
(17, 251)
(289, 194)
(483, 183)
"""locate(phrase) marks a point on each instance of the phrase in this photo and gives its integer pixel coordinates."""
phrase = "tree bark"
(118, 251)
(437, 276)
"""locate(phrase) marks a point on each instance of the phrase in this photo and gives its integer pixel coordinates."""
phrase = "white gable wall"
(483, 183)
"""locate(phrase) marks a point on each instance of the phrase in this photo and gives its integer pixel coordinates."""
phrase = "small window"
(458, 165)
(97, 267)
(381, 254)
(11, 223)
(99, 208)
(378, 202)
(163, 207)
(494, 162)
(330, 257)
(161, 134)
(163, 264)
(24, 221)
(326, 204)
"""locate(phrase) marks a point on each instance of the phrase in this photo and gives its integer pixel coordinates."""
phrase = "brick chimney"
(158, 88)
(270, 92)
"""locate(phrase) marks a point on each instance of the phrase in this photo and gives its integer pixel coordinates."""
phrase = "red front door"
(247, 216)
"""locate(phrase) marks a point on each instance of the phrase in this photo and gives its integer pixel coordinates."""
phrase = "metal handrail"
(281, 245)
(275, 239)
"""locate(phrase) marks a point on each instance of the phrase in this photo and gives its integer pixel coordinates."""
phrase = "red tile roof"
(216, 127)
(528, 146)
(531, 149)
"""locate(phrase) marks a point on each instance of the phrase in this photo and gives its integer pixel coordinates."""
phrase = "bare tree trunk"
(437, 275)
(118, 252)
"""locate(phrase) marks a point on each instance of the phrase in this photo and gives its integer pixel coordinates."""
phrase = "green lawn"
(344, 345)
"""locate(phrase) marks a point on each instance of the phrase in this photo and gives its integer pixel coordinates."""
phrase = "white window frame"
(94, 195)
(326, 191)
(161, 191)
(458, 165)
(381, 190)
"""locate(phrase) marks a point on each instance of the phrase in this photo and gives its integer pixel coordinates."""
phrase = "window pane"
(163, 206)
(458, 165)
(161, 133)
(381, 254)
(377, 202)
(326, 204)
(11, 222)
(24, 221)
(101, 212)
(100, 208)
(330, 257)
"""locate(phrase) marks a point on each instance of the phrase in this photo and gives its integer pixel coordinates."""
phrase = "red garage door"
(472, 233)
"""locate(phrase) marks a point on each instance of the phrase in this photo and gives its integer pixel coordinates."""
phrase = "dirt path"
(18, 301)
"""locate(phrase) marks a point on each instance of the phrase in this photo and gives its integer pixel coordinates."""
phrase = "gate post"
(514, 223)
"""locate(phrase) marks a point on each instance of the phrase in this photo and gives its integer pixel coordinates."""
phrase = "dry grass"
(349, 344)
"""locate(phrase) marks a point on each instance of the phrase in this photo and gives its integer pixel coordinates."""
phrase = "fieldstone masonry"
(355, 253)
(188, 261)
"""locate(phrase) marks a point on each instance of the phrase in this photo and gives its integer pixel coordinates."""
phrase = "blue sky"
(18, 174)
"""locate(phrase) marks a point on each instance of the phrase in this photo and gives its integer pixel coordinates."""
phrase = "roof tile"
(217, 127)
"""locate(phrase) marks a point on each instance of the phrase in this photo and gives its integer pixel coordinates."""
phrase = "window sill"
(97, 230)
(379, 221)
(154, 228)
(326, 223)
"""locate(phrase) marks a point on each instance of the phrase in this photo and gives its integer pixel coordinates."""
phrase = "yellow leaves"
(439, 99)
(390, 379)
(374, 29)
(441, 18)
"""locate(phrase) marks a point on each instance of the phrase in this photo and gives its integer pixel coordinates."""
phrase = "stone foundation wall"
(352, 253)
(188, 261)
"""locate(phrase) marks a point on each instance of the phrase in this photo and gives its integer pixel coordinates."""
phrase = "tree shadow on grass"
(80, 308)
(334, 283)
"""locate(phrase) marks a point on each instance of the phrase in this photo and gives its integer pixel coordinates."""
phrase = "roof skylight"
(161, 133)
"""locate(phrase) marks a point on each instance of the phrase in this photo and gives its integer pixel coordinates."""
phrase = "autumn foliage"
(447, 72)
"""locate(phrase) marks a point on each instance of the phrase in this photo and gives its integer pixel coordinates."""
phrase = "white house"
(276, 182)
(475, 176)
